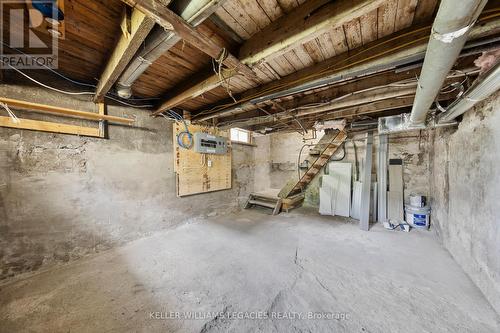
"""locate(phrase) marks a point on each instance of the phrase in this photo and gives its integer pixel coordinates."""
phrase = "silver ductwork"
(450, 31)
(160, 41)
(482, 88)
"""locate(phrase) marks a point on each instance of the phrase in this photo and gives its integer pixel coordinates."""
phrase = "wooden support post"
(364, 221)
(103, 124)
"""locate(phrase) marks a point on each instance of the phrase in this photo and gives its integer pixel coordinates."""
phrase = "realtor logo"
(30, 31)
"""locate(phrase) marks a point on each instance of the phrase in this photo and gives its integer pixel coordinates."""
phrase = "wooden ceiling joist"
(304, 23)
(301, 25)
(158, 11)
(135, 28)
(401, 48)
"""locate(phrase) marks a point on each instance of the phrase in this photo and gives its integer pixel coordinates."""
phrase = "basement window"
(241, 136)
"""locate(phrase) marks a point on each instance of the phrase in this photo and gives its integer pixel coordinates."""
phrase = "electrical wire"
(115, 98)
(346, 60)
(181, 136)
(87, 93)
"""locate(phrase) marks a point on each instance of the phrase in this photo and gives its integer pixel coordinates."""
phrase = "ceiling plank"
(135, 27)
(156, 10)
(400, 48)
(301, 25)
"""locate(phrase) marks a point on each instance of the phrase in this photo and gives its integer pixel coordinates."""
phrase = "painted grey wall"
(64, 196)
(466, 194)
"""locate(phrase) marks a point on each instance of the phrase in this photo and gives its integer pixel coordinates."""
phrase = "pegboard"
(200, 173)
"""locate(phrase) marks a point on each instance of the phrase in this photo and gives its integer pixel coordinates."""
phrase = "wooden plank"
(45, 126)
(235, 9)
(271, 8)
(405, 14)
(288, 5)
(303, 24)
(55, 110)
(339, 40)
(406, 46)
(387, 18)
(232, 23)
(353, 34)
(424, 11)
(369, 24)
(103, 124)
(195, 90)
(128, 44)
(171, 21)
(194, 173)
(312, 172)
(256, 13)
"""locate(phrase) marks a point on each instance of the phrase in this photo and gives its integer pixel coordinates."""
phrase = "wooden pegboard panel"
(200, 173)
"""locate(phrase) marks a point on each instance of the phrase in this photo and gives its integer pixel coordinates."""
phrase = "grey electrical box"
(209, 144)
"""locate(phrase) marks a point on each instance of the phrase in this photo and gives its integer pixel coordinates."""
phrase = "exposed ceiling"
(287, 92)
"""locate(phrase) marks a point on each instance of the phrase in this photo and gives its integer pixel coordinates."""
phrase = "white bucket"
(418, 217)
(417, 200)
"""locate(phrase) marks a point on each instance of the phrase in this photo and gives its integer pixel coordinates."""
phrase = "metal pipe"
(160, 41)
(401, 58)
(481, 89)
(450, 31)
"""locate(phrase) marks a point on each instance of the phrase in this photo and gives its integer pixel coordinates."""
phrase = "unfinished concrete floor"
(288, 265)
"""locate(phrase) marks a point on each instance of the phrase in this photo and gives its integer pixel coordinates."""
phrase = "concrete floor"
(251, 264)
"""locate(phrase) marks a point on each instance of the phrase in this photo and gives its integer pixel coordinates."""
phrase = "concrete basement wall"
(282, 150)
(466, 194)
(64, 196)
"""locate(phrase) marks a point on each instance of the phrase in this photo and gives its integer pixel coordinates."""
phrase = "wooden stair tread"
(263, 203)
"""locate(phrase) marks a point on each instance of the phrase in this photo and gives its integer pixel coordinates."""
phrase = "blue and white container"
(418, 217)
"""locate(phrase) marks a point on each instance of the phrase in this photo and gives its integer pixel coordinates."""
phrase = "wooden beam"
(359, 99)
(59, 111)
(135, 27)
(182, 95)
(341, 89)
(45, 126)
(103, 124)
(404, 47)
(158, 11)
(345, 112)
(315, 14)
(301, 25)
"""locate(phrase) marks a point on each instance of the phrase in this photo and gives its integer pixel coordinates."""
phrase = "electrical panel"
(205, 143)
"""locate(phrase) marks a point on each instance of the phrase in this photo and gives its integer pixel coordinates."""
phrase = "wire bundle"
(184, 134)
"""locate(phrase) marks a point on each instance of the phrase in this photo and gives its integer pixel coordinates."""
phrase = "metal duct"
(160, 41)
(484, 86)
(450, 30)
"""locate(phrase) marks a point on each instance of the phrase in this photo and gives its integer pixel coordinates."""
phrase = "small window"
(241, 135)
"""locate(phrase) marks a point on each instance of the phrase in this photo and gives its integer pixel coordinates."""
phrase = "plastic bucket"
(418, 217)
(417, 200)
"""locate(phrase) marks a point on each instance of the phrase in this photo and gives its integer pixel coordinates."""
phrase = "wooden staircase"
(292, 196)
(326, 147)
(267, 199)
